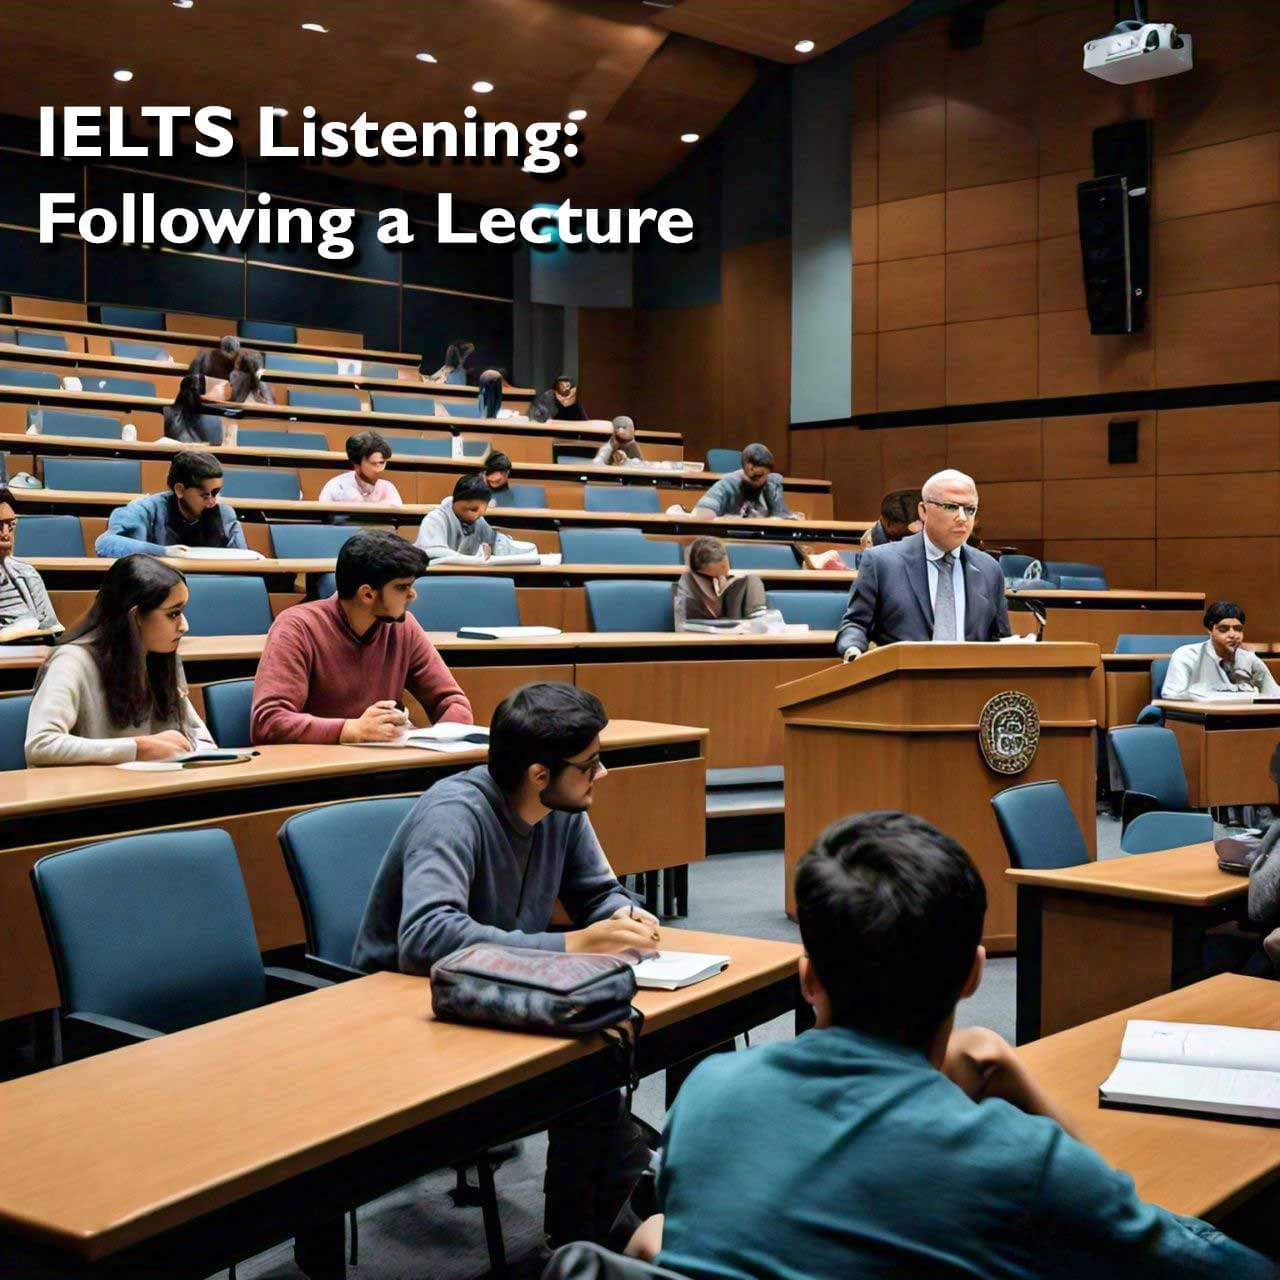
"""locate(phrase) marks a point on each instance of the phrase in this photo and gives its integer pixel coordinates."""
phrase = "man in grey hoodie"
(482, 857)
(456, 531)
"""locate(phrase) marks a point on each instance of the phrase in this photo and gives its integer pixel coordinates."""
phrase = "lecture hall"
(640, 639)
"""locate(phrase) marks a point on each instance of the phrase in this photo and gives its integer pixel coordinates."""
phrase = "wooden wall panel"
(911, 368)
(855, 469)
(1077, 446)
(1010, 511)
(999, 213)
(1244, 504)
(606, 361)
(1231, 175)
(910, 455)
(1188, 439)
(1246, 570)
(1007, 450)
(1100, 508)
(912, 228)
(1227, 250)
(1130, 562)
(1073, 362)
(991, 360)
(865, 284)
(911, 292)
(985, 284)
(912, 152)
(1229, 335)
(682, 347)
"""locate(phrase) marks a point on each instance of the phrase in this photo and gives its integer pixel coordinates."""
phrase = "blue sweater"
(149, 525)
(463, 868)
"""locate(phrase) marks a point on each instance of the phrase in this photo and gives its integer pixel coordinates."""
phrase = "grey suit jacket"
(891, 599)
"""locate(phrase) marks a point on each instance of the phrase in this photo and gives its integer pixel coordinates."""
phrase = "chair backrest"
(93, 475)
(446, 603)
(280, 362)
(1152, 832)
(1068, 583)
(821, 610)
(595, 546)
(267, 331)
(13, 730)
(630, 605)
(224, 604)
(461, 408)
(261, 482)
(41, 341)
(138, 350)
(302, 398)
(309, 541)
(117, 386)
(1039, 827)
(257, 438)
(49, 536)
(155, 929)
(1014, 566)
(620, 497)
(69, 422)
(761, 555)
(370, 370)
(407, 406)
(131, 317)
(1150, 762)
(1153, 644)
(1159, 669)
(228, 710)
(41, 379)
(722, 460)
(333, 854)
(421, 446)
(8, 335)
(1055, 570)
(525, 495)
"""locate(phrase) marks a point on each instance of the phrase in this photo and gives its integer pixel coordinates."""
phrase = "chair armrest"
(87, 1034)
(1151, 714)
(1134, 803)
(332, 970)
(282, 984)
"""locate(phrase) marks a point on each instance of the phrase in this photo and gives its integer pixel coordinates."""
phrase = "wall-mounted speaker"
(1114, 209)
(1122, 441)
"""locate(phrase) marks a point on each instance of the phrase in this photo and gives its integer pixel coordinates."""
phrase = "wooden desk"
(1226, 750)
(1095, 938)
(180, 1155)
(1189, 1164)
(1128, 678)
(650, 812)
(1100, 616)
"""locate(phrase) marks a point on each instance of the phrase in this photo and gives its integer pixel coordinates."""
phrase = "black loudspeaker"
(1122, 441)
(1114, 213)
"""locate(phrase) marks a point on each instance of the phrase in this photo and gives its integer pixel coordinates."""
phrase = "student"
(559, 401)
(705, 590)
(1220, 664)
(483, 857)
(456, 531)
(490, 393)
(187, 515)
(753, 492)
(456, 359)
(496, 471)
(247, 386)
(186, 421)
(113, 690)
(335, 670)
(899, 518)
(368, 454)
(620, 446)
(22, 593)
(217, 362)
(894, 1144)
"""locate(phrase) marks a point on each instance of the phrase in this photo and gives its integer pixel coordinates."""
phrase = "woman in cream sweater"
(113, 688)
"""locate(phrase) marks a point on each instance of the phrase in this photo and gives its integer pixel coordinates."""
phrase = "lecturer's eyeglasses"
(954, 508)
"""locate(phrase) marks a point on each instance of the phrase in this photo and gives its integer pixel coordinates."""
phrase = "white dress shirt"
(932, 556)
(1196, 668)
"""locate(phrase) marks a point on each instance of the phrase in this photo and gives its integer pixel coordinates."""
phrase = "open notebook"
(212, 553)
(447, 738)
(27, 629)
(1184, 1066)
(671, 970)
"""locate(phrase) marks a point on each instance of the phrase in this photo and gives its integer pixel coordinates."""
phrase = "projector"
(1138, 51)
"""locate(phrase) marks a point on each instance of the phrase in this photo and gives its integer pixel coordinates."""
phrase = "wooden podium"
(898, 729)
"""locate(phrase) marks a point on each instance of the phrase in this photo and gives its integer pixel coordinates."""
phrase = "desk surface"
(1190, 1164)
(1189, 876)
(104, 1152)
(1195, 709)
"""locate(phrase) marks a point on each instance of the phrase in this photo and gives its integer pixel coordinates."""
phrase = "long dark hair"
(490, 397)
(136, 683)
(187, 404)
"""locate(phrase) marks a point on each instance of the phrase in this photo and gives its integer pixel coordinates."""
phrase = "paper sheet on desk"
(447, 738)
(1028, 639)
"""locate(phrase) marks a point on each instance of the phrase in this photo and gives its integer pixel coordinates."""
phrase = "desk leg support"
(320, 1250)
(1029, 972)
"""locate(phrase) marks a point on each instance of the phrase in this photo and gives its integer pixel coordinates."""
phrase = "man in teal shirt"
(883, 1142)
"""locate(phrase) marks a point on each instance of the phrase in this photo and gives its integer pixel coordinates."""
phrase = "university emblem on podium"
(1009, 732)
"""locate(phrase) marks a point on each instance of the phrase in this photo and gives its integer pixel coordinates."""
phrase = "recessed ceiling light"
(315, 26)
(689, 137)
(482, 86)
(123, 76)
(278, 111)
(577, 114)
(426, 57)
(804, 46)
(184, 4)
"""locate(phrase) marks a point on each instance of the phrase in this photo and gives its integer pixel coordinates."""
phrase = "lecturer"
(929, 586)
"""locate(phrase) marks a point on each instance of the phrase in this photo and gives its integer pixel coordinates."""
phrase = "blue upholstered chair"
(280, 362)
(528, 496)
(1014, 566)
(1068, 583)
(1039, 827)
(1153, 644)
(277, 483)
(309, 541)
(446, 602)
(460, 408)
(40, 341)
(71, 422)
(1055, 570)
(39, 379)
(821, 610)
(138, 350)
(722, 460)
(93, 475)
(761, 555)
(405, 405)
(228, 706)
(630, 605)
(117, 386)
(8, 336)
(850, 558)
(369, 370)
(615, 546)
(621, 497)
(1151, 832)
(266, 331)
(13, 730)
(421, 446)
(303, 398)
(131, 317)
(227, 605)
(1151, 714)
(1151, 771)
(49, 536)
(257, 438)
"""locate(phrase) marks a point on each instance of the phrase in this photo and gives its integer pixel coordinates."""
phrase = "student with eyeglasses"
(930, 585)
(23, 597)
(188, 514)
(482, 857)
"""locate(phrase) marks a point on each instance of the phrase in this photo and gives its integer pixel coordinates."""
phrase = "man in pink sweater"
(334, 670)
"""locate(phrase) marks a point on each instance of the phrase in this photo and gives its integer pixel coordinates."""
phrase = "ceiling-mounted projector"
(1136, 50)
